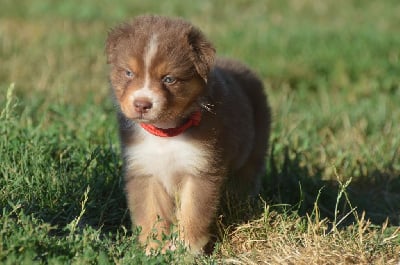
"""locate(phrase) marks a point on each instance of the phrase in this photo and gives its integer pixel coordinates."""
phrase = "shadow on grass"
(106, 206)
(290, 183)
(100, 176)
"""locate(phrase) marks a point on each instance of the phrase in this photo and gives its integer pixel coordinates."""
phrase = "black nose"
(142, 105)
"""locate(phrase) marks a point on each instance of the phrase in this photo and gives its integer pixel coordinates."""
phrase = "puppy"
(190, 126)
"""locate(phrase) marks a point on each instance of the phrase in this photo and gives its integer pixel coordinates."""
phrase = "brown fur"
(179, 180)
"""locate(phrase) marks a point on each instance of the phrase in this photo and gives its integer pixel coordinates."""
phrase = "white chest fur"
(166, 159)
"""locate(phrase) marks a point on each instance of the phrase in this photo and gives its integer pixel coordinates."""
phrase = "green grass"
(332, 192)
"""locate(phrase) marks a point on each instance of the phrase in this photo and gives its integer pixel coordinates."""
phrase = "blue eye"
(128, 73)
(169, 80)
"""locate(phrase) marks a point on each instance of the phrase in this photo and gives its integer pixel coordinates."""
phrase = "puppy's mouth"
(143, 118)
(151, 118)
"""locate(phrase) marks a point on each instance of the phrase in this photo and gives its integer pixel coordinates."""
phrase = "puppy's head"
(159, 67)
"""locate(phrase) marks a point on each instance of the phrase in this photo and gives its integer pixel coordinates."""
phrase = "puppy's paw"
(195, 245)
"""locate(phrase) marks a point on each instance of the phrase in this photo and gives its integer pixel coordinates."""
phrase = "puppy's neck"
(193, 120)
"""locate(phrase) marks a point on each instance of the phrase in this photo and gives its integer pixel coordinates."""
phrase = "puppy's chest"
(166, 159)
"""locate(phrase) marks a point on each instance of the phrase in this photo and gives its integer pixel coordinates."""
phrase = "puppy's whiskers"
(208, 107)
(204, 103)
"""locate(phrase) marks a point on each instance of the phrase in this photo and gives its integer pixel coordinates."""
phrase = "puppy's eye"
(168, 80)
(128, 73)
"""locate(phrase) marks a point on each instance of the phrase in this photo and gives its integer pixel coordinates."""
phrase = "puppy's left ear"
(203, 53)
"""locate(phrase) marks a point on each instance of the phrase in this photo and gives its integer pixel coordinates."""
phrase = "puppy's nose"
(142, 105)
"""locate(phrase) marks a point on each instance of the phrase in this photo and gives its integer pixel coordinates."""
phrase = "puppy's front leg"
(198, 203)
(151, 208)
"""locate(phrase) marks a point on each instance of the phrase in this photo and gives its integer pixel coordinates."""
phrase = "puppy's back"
(253, 134)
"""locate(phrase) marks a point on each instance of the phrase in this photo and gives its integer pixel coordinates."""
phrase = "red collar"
(194, 120)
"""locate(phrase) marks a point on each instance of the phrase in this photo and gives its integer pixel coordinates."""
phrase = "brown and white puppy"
(188, 122)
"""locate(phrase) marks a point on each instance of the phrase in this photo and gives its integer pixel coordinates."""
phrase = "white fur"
(166, 159)
(151, 51)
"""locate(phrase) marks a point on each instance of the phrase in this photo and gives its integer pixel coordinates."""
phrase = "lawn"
(332, 191)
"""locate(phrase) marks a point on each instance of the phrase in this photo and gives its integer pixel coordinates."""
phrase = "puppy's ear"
(203, 53)
(111, 42)
(114, 37)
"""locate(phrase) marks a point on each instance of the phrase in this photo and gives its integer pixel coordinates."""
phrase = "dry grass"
(277, 238)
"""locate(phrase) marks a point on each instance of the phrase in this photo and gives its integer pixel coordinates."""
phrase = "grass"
(331, 70)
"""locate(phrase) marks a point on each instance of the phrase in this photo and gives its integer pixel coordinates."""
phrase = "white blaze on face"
(150, 52)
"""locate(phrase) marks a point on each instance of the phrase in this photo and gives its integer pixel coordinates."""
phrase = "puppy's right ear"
(114, 37)
(110, 47)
